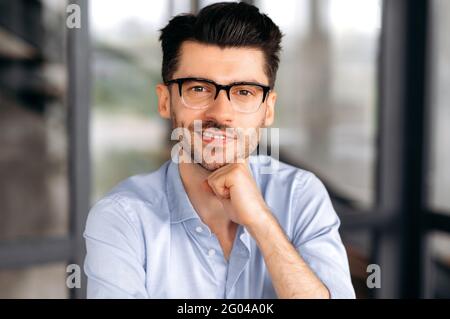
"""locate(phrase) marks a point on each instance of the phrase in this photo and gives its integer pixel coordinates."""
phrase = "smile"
(215, 135)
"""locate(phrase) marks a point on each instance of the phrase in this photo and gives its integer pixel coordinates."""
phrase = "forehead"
(222, 65)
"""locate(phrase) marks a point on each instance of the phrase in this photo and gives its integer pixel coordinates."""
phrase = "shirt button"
(211, 252)
(198, 229)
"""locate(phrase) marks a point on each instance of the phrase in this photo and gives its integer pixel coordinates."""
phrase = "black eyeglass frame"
(219, 87)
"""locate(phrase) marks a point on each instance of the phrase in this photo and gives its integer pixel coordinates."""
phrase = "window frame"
(23, 253)
(401, 217)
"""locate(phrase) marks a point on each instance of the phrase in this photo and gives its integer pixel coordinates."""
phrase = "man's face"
(223, 66)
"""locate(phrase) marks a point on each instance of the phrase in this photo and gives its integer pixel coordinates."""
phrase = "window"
(33, 138)
(327, 104)
(34, 160)
(440, 106)
(127, 135)
(43, 281)
(330, 112)
(438, 240)
(439, 268)
(327, 88)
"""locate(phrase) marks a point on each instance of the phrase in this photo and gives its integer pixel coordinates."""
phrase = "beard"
(215, 155)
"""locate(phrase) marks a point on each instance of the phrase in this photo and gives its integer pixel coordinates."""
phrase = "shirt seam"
(117, 199)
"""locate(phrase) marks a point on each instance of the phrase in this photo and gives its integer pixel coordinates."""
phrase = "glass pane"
(327, 85)
(128, 136)
(440, 99)
(33, 139)
(204, 3)
(438, 276)
(358, 246)
(46, 281)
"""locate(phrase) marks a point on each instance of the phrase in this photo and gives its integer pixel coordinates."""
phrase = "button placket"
(239, 259)
(213, 253)
(199, 229)
(210, 243)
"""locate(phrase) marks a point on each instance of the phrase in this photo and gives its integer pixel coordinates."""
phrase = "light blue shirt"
(144, 239)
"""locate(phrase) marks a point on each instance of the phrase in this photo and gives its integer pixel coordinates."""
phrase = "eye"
(245, 92)
(198, 88)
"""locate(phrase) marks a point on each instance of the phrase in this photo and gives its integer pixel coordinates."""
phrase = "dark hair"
(225, 24)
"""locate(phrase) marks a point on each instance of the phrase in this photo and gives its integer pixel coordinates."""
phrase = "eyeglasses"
(197, 93)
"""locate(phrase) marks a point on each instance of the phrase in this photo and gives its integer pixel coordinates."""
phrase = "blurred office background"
(364, 102)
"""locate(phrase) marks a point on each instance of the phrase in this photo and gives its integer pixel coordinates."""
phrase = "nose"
(220, 109)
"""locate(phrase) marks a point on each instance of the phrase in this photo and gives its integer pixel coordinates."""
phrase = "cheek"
(255, 120)
(183, 117)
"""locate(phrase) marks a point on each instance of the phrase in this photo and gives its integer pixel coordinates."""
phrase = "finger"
(218, 186)
(223, 177)
(220, 171)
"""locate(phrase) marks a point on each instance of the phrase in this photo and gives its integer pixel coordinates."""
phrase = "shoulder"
(145, 188)
(294, 194)
(128, 200)
(268, 170)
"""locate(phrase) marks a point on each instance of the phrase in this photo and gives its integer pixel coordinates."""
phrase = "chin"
(212, 166)
(213, 163)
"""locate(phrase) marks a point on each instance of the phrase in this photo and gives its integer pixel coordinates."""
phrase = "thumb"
(205, 187)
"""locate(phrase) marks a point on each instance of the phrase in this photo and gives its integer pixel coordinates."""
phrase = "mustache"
(211, 124)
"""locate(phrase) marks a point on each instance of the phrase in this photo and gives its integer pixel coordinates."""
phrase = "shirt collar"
(180, 206)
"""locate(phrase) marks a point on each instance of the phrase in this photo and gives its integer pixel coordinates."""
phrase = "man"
(209, 223)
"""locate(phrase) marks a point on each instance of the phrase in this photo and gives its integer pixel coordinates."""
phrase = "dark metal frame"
(79, 111)
(401, 153)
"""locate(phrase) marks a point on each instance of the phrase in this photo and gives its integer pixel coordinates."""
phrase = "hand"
(235, 187)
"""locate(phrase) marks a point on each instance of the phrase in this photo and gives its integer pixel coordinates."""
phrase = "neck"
(207, 206)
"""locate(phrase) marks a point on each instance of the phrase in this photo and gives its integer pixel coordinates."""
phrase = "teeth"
(209, 135)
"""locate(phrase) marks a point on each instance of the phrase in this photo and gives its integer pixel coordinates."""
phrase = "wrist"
(261, 225)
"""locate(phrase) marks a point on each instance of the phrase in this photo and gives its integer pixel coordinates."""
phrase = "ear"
(270, 110)
(162, 91)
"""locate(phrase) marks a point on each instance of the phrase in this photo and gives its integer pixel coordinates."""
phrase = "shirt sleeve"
(114, 263)
(317, 239)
